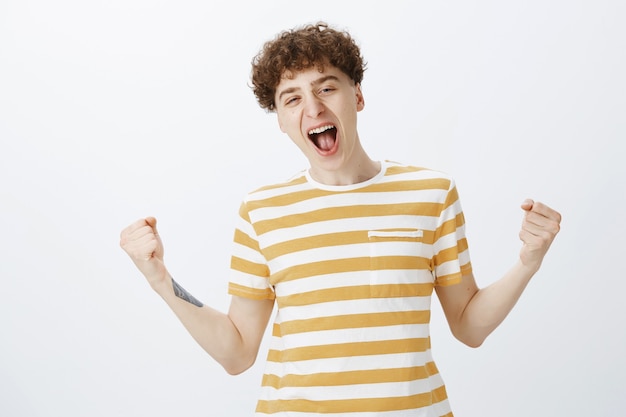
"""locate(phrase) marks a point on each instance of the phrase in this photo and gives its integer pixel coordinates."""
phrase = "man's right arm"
(232, 339)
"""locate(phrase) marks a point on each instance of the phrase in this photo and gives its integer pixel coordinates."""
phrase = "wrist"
(162, 285)
(529, 268)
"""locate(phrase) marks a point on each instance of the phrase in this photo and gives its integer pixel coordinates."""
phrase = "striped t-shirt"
(352, 270)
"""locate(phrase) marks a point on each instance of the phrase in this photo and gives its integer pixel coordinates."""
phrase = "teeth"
(320, 129)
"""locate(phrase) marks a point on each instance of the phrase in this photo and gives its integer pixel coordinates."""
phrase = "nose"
(313, 107)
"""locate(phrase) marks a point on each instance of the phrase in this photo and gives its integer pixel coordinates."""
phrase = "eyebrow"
(314, 83)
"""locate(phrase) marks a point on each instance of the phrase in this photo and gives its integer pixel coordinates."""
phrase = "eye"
(326, 90)
(291, 100)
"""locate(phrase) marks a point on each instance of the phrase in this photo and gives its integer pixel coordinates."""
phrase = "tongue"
(326, 140)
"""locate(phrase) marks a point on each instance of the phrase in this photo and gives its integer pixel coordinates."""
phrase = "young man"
(350, 251)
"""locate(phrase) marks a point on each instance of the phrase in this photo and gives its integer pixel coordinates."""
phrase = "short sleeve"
(451, 258)
(249, 274)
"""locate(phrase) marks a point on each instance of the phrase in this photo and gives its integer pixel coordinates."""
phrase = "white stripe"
(357, 250)
(447, 268)
(347, 225)
(248, 280)
(319, 254)
(350, 279)
(247, 253)
(402, 248)
(396, 233)
(340, 308)
(404, 276)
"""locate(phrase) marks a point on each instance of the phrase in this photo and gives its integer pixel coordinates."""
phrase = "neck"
(360, 172)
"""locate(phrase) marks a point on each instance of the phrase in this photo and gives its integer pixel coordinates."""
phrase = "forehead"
(309, 77)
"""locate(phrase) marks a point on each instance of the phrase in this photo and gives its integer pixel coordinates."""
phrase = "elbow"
(238, 367)
(473, 343)
(470, 339)
(234, 371)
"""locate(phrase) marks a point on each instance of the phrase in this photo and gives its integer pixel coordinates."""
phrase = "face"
(318, 111)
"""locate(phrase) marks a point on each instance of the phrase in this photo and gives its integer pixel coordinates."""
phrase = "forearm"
(490, 305)
(232, 339)
(474, 313)
(213, 330)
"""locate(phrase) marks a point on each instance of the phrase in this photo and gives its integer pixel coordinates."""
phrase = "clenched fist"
(539, 228)
(142, 243)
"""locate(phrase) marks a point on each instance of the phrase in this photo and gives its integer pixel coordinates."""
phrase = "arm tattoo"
(184, 295)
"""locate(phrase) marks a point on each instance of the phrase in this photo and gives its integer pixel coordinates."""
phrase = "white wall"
(114, 110)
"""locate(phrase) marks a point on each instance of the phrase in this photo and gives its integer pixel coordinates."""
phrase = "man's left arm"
(472, 312)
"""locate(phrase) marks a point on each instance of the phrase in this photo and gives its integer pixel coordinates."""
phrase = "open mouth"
(323, 137)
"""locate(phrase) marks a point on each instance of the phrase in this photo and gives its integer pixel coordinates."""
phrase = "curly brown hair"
(299, 49)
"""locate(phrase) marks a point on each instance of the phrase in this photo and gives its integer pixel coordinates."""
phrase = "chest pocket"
(398, 256)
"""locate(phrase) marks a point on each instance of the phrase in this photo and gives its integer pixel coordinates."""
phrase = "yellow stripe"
(397, 168)
(449, 279)
(357, 405)
(353, 321)
(289, 198)
(450, 226)
(248, 267)
(331, 239)
(344, 350)
(356, 293)
(245, 240)
(451, 198)
(337, 266)
(455, 278)
(248, 292)
(335, 213)
(450, 254)
(410, 185)
(313, 242)
(351, 377)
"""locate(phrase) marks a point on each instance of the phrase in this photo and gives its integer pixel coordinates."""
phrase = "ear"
(360, 101)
